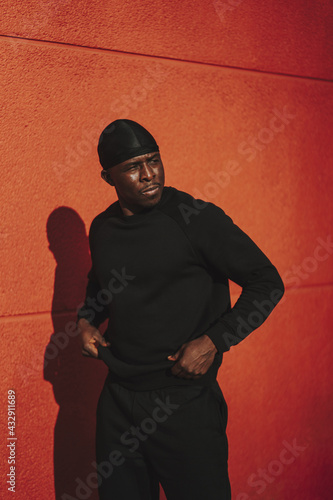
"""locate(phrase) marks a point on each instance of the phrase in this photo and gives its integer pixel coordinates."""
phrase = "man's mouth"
(151, 189)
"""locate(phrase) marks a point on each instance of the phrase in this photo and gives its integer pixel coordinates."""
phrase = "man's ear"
(106, 176)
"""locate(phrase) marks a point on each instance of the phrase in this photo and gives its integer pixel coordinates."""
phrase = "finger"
(184, 374)
(90, 351)
(174, 357)
(86, 353)
(175, 370)
(104, 343)
(179, 371)
(99, 339)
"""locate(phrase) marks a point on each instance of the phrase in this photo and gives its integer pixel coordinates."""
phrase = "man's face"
(139, 182)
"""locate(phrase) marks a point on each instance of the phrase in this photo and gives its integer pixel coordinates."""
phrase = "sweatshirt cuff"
(89, 315)
(222, 336)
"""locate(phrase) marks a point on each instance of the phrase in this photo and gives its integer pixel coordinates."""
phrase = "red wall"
(211, 82)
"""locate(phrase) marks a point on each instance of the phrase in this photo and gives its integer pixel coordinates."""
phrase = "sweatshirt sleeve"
(91, 309)
(228, 253)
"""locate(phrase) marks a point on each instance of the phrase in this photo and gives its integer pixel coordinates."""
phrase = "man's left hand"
(194, 358)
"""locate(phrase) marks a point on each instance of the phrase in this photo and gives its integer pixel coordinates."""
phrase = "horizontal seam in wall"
(165, 58)
(41, 314)
(58, 314)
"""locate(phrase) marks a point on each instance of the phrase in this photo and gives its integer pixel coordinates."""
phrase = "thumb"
(101, 340)
(174, 357)
(104, 343)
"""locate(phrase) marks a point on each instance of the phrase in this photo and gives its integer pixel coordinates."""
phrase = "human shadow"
(77, 381)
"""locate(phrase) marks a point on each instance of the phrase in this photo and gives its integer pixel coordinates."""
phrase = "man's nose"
(147, 172)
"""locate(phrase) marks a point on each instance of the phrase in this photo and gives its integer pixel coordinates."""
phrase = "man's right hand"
(90, 338)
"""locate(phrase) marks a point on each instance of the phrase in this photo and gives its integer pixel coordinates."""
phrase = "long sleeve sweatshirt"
(161, 278)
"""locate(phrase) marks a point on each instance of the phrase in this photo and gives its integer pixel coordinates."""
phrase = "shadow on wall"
(77, 381)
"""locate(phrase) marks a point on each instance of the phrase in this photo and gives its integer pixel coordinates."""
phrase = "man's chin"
(143, 201)
(151, 198)
(150, 203)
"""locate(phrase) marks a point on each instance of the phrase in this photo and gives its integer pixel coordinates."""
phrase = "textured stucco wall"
(239, 96)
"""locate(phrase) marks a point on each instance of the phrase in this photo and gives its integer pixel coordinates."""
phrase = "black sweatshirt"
(161, 279)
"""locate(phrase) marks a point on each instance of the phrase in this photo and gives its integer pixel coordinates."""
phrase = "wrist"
(210, 344)
(83, 324)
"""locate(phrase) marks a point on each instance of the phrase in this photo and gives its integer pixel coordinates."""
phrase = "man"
(161, 262)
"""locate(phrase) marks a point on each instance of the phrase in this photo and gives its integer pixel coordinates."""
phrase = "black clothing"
(172, 435)
(161, 278)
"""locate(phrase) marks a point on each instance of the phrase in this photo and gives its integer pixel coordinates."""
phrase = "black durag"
(122, 140)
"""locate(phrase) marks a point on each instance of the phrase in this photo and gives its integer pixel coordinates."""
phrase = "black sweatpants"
(175, 436)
